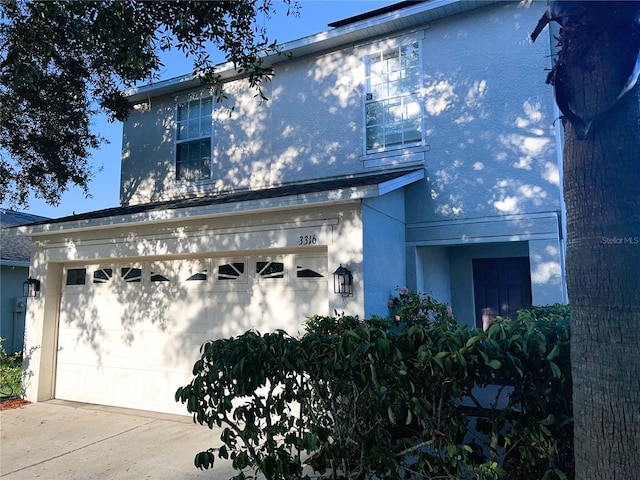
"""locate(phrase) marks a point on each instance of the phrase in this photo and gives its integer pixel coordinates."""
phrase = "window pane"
(194, 128)
(194, 109)
(394, 110)
(158, 277)
(374, 137)
(374, 113)
(412, 131)
(410, 55)
(302, 272)
(131, 275)
(375, 65)
(103, 275)
(392, 58)
(270, 269)
(393, 114)
(76, 276)
(393, 134)
(181, 131)
(230, 271)
(411, 80)
(194, 119)
(193, 160)
(379, 90)
(198, 277)
(205, 126)
(183, 111)
(206, 107)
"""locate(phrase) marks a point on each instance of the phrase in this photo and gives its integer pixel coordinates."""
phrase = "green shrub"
(10, 373)
(407, 396)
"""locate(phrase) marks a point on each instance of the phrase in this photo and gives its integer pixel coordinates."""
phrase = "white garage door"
(129, 333)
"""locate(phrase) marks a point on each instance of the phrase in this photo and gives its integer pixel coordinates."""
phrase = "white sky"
(105, 187)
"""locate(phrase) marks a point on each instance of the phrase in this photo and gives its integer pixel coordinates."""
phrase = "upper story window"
(193, 139)
(393, 111)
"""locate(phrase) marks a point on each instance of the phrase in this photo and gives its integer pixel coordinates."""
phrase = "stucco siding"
(434, 273)
(383, 247)
(488, 123)
(489, 119)
(316, 127)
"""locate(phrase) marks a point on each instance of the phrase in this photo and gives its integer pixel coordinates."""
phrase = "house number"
(308, 239)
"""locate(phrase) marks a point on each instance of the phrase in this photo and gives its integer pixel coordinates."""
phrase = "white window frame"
(162, 268)
(190, 267)
(309, 260)
(240, 283)
(75, 287)
(188, 138)
(104, 286)
(368, 97)
(133, 265)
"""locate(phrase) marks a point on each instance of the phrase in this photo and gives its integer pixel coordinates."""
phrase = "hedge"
(411, 395)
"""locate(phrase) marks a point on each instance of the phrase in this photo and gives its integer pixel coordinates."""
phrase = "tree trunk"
(602, 193)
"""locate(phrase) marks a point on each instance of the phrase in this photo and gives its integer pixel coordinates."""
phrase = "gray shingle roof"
(289, 190)
(16, 248)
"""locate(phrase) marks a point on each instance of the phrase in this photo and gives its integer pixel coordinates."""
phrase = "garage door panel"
(82, 383)
(93, 312)
(131, 339)
(86, 347)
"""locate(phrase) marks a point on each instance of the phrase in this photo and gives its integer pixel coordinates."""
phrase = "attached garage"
(129, 294)
(130, 332)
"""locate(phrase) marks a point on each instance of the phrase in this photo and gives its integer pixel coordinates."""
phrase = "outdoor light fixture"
(31, 288)
(343, 281)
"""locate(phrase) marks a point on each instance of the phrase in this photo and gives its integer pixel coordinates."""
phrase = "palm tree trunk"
(602, 193)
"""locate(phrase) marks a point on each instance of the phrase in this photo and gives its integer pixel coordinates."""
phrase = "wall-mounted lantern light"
(31, 288)
(343, 281)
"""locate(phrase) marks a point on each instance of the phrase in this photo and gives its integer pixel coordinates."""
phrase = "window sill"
(407, 155)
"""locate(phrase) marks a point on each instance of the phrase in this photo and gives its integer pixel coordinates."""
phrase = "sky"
(104, 189)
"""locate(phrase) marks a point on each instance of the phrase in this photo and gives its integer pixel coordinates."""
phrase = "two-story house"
(414, 146)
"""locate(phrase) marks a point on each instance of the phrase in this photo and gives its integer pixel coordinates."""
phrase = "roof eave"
(14, 263)
(353, 33)
(288, 202)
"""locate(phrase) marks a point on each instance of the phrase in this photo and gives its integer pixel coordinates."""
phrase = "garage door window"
(102, 275)
(158, 277)
(198, 277)
(268, 269)
(231, 271)
(310, 267)
(131, 275)
(76, 276)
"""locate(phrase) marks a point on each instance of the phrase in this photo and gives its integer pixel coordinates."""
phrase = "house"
(414, 146)
(15, 252)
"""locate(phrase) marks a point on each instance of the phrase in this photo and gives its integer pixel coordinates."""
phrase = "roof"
(375, 13)
(332, 191)
(388, 20)
(15, 250)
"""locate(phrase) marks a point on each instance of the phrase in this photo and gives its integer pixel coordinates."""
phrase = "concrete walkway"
(63, 440)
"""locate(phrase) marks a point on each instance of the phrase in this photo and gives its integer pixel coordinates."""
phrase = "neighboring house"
(15, 253)
(414, 145)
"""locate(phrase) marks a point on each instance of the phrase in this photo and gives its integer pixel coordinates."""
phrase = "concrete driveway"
(65, 440)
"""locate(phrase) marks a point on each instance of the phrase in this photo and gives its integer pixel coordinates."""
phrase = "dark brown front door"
(501, 286)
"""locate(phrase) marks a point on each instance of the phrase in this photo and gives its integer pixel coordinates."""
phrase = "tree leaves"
(411, 400)
(62, 61)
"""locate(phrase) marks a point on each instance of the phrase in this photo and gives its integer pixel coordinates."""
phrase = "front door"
(501, 286)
